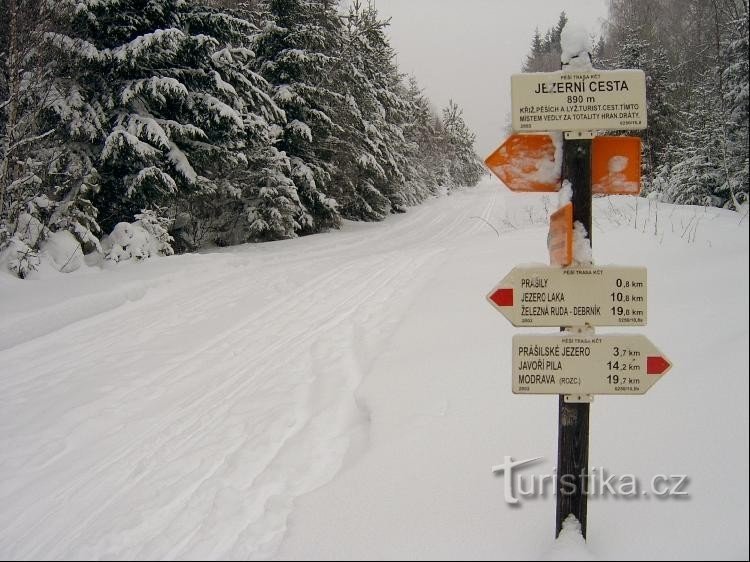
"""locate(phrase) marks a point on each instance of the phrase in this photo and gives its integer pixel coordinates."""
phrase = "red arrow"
(502, 297)
(657, 365)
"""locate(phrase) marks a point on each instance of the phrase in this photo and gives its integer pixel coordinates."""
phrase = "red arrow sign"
(527, 163)
(657, 365)
(502, 297)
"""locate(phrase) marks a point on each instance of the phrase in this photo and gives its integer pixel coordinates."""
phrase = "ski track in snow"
(195, 446)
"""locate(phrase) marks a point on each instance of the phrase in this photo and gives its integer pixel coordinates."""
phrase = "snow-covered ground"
(346, 395)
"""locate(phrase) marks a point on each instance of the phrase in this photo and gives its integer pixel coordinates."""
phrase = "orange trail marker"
(616, 165)
(526, 163)
(560, 237)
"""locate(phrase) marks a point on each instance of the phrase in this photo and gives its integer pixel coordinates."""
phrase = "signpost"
(575, 296)
(586, 364)
(573, 411)
(577, 363)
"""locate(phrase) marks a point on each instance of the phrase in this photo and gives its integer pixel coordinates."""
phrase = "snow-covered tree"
(47, 173)
(544, 55)
(635, 51)
(734, 80)
(148, 236)
(296, 49)
(694, 55)
(371, 153)
(185, 111)
(466, 169)
(227, 120)
(424, 151)
(692, 174)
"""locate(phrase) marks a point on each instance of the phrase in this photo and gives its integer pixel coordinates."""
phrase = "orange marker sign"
(560, 237)
(526, 163)
(616, 165)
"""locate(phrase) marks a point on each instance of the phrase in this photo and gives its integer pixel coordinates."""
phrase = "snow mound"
(63, 250)
(570, 544)
(144, 238)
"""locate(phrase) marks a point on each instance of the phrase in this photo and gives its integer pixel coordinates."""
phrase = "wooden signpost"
(576, 363)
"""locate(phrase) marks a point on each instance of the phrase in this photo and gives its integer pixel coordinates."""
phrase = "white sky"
(466, 50)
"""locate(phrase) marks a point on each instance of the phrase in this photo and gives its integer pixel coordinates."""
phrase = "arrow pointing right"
(567, 363)
(657, 365)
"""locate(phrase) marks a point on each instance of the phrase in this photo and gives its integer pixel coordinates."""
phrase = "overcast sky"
(467, 50)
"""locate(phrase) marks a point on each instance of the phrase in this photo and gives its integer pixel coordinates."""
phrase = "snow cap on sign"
(575, 42)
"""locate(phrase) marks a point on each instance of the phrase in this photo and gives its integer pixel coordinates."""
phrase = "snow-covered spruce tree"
(371, 153)
(734, 80)
(425, 157)
(466, 169)
(636, 51)
(710, 160)
(183, 111)
(391, 113)
(139, 51)
(296, 49)
(693, 173)
(544, 55)
(264, 201)
(47, 173)
(694, 54)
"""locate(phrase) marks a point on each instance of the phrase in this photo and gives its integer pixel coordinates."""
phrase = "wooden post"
(573, 418)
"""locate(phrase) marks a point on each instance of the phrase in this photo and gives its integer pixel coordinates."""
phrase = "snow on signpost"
(563, 111)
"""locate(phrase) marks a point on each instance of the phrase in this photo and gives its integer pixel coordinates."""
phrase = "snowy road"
(345, 395)
(184, 422)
